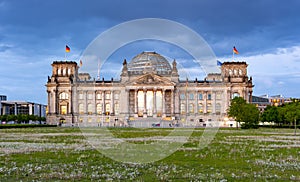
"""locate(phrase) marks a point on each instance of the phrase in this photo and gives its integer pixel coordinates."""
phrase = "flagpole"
(232, 55)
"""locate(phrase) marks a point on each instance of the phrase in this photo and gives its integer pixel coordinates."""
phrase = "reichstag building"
(148, 93)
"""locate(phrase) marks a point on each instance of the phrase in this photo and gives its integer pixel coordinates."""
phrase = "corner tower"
(59, 89)
(234, 74)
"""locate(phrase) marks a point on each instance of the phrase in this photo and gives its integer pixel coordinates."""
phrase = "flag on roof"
(80, 63)
(235, 50)
(219, 63)
(68, 48)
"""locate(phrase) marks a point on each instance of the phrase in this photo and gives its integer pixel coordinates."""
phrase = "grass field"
(62, 154)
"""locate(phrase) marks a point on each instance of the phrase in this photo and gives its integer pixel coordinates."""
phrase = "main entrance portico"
(151, 102)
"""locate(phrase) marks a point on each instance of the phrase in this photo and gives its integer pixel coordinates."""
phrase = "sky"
(34, 33)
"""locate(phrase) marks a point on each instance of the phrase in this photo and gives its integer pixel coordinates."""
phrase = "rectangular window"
(90, 96)
(208, 96)
(99, 96)
(116, 96)
(182, 96)
(200, 96)
(191, 96)
(80, 96)
(218, 96)
(107, 95)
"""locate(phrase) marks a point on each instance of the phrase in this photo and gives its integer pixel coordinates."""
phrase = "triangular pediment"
(152, 79)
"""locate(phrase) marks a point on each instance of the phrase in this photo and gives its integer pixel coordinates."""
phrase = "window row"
(235, 72)
(99, 96)
(107, 110)
(64, 71)
(191, 96)
(191, 108)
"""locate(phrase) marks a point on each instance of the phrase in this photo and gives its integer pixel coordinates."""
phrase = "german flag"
(235, 50)
(68, 48)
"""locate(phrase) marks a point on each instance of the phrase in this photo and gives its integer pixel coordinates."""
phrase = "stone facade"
(149, 91)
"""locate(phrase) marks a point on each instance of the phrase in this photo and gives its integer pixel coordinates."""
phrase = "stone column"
(85, 102)
(154, 102)
(228, 96)
(103, 102)
(135, 101)
(213, 95)
(70, 103)
(205, 102)
(163, 102)
(49, 102)
(95, 102)
(187, 102)
(145, 101)
(16, 109)
(172, 102)
(176, 101)
(112, 105)
(55, 101)
(196, 106)
(127, 92)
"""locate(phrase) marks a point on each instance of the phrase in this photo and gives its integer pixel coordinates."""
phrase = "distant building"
(22, 107)
(149, 90)
(260, 102)
(3, 97)
(278, 100)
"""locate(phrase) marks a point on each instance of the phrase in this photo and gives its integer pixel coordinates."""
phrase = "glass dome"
(146, 62)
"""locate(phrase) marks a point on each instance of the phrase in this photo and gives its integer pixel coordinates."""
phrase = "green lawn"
(63, 154)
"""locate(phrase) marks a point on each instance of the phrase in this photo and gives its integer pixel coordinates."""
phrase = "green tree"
(11, 117)
(292, 113)
(270, 114)
(245, 114)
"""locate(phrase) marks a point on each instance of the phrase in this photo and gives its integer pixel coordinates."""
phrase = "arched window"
(117, 108)
(218, 108)
(64, 71)
(182, 108)
(107, 95)
(208, 96)
(209, 108)
(218, 96)
(200, 108)
(107, 109)
(90, 109)
(200, 96)
(235, 72)
(63, 96)
(80, 109)
(99, 108)
(80, 95)
(191, 108)
(191, 96)
(230, 72)
(235, 94)
(99, 96)
(240, 72)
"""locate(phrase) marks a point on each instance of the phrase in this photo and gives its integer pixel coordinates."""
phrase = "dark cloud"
(222, 23)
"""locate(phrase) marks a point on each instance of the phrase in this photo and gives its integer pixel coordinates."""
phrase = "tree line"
(249, 116)
(21, 118)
